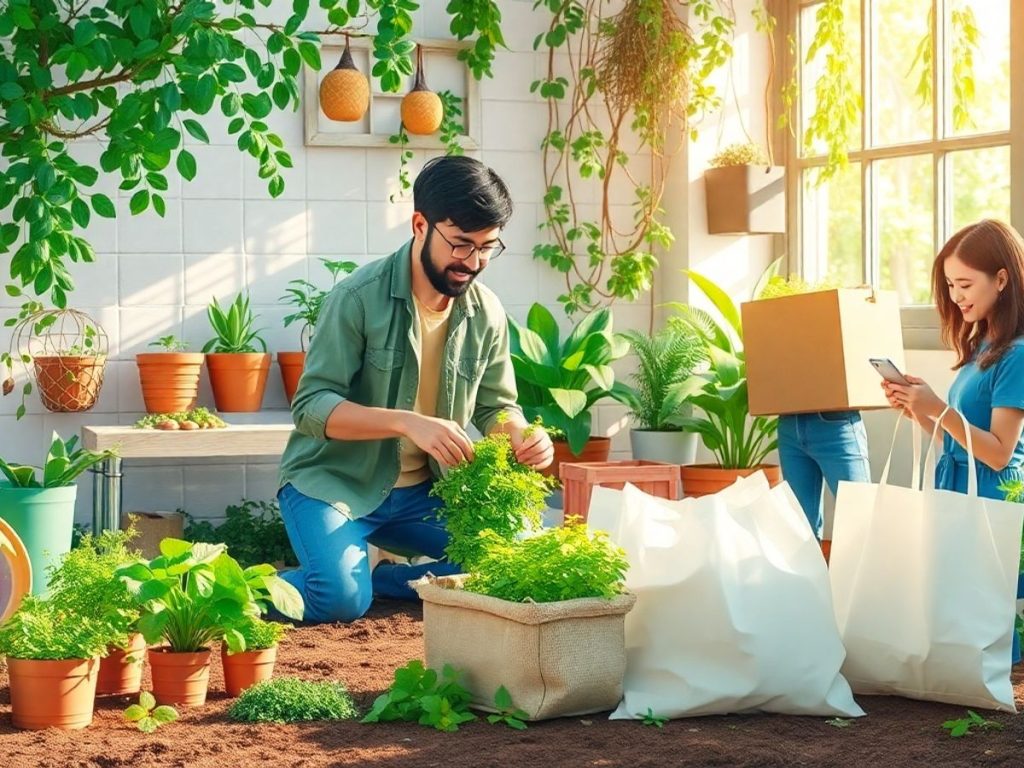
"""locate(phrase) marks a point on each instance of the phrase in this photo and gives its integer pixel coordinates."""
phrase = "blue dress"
(975, 393)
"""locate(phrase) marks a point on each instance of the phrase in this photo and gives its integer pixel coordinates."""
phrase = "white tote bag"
(924, 584)
(733, 610)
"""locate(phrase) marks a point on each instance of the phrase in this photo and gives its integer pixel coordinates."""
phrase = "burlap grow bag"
(555, 659)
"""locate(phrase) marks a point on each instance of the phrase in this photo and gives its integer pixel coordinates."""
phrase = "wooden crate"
(657, 478)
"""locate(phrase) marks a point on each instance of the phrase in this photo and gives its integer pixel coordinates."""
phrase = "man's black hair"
(464, 191)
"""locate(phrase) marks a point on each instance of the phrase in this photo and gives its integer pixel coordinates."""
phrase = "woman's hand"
(917, 398)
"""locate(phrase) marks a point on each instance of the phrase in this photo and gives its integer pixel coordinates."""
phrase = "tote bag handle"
(972, 464)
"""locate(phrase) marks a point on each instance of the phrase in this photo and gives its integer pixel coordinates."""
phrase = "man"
(407, 350)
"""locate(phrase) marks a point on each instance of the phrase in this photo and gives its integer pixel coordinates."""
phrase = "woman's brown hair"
(987, 246)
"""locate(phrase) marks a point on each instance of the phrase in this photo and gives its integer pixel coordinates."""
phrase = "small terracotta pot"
(69, 384)
(57, 694)
(291, 364)
(705, 479)
(243, 670)
(180, 678)
(595, 449)
(239, 379)
(170, 380)
(121, 669)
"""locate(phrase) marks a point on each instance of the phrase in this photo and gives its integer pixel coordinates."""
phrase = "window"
(929, 152)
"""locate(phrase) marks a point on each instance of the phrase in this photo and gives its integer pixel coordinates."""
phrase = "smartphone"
(888, 370)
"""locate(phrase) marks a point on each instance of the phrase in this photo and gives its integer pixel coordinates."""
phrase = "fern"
(666, 361)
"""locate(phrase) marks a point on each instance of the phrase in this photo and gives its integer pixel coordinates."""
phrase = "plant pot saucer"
(15, 571)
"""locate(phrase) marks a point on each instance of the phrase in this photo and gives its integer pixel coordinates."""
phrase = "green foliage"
(839, 722)
(84, 584)
(560, 381)
(420, 695)
(966, 41)
(147, 716)
(563, 563)
(44, 629)
(965, 726)
(507, 713)
(738, 154)
(308, 299)
(650, 718)
(196, 418)
(493, 492)
(778, 286)
(253, 532)
(254, 634)
(289, 700)
(192, 594)
(664, 378)
(170, 344)
(726, 428)
(453, 128)
(234, 327)
(65, 461)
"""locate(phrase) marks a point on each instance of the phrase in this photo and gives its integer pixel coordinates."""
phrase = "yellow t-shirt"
(433, 327)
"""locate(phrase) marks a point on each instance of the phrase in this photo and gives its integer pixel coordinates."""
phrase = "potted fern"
(744, 192)
(664, 381)
(238, 370)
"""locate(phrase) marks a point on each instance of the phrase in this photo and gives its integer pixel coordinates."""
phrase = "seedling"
(147, 716)
(652, 719)
(507, 713)
(839, 722)
(170, 344)
(966, 725)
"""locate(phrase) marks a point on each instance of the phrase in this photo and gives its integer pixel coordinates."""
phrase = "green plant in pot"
(238, 369)
(664, 381)
(52, 660)
(192, 595)
(85, 584)
(39, 502)
(560, 381)
(739, 443)
(170, 376)
(249, 651)
(307, 299)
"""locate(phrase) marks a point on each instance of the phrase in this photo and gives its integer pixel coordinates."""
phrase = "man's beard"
(439, 278)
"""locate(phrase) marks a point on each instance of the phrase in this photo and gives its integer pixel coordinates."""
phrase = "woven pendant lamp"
(421, 108)
(345, 91)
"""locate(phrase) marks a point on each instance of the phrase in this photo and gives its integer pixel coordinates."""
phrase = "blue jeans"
(822, 446)
(334, 577)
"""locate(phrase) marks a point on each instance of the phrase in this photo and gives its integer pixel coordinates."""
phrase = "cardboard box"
(810, 352)
(151, 528)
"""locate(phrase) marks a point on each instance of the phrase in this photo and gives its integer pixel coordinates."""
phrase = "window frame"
(920, 322)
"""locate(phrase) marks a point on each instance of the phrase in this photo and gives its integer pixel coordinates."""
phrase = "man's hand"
(534, 450)
(445, 440)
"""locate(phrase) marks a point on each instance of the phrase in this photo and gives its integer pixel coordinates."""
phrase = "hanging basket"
(422, 110)
(344, 91)
(68, 352)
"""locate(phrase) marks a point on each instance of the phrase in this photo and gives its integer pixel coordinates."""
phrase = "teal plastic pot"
(44, 519)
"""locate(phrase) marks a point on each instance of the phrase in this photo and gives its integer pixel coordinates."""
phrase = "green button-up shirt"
(366, 350)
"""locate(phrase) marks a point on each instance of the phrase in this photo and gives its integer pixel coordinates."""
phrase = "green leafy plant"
(253, 532)
(65, 461)
(308, 299)
(420, 695)
(665, 376)
(147, 716)
(234, 327)
(289, 700)
(493, 492)
(839, 722)
(252, 633)
(965, 726)
(84, 584)
(43, 629)
(170, 344)
(196, 418)
(507, 714)
(563, 563)
(559, 382)
(726, 428)
(650, 718)
(739, 154)
(192, 594)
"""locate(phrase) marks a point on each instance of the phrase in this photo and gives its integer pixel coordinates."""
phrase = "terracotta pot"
(243, 670)
(170, 380)
(121, 669)
(595, 449)
(239, 379)
(180, 678)
(57, 694)
(69, 384)
(291, 364)
(705, 479)
(826, 549)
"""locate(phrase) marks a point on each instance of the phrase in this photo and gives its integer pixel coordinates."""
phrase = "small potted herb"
(170, 377)
(744, 192)
(307, 299)
(249, 651)
(238, 371)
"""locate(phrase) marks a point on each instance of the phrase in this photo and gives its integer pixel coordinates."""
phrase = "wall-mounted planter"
(745, 199)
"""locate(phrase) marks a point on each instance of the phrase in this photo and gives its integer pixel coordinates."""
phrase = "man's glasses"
(463, 251)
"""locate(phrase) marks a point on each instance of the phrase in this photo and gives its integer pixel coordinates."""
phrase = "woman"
(978, 283)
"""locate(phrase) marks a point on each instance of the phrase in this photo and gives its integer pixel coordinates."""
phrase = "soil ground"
(897, 732)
